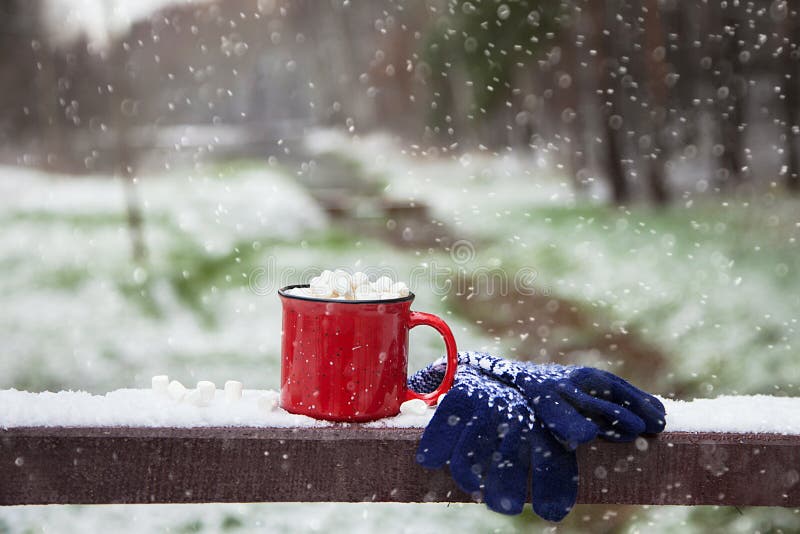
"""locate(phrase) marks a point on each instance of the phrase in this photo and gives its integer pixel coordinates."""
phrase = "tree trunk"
(792, 101)
(690, 21)
(731, 98)
(124, 158)
(570, 106)
(656, 69)
(610, 90)
(615, 174)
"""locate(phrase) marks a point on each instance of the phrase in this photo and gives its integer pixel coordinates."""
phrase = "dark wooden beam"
(347, 464)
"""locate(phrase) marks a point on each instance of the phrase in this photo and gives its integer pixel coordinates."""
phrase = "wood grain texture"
(349, 464)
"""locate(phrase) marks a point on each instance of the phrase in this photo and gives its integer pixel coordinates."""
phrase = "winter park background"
(166, 166)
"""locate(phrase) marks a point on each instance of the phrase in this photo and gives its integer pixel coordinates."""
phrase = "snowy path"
(145, 408)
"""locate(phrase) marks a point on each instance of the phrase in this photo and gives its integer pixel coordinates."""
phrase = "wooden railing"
(58, 465)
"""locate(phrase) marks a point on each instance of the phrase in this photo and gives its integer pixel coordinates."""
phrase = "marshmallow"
(342, 283)
(322, 284)
(207, 390)
(233, 390)
(300, 291)
(324, 278)
(195, 398)
(268, 402)
(400, 288)
(383, 284)
(176, 390)
(414, 407)
(347, 294)
(359, 279)
(321, 290)
(366, 293)
(160, 383)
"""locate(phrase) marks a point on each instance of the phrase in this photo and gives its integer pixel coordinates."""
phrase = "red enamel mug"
(348, 360)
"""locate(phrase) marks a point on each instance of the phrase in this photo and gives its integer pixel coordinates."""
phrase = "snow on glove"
(577, 404)
(488, 433)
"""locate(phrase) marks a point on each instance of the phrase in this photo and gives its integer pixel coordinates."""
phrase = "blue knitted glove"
(487, 432)
(577, 404)
(494, 426)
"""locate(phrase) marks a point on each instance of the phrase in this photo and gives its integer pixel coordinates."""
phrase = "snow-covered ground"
(69, 287)
(471, 192)
(145, 407)
(713, 286)
(272, 518)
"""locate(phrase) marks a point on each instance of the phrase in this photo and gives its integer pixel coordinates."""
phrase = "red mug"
(345, 360)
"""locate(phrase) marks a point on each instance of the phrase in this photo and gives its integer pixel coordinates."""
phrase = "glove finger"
(610, 433)
(554, 479)
(563, 421)
(473, 451)
(609, 417)
(445, 428)
(506, 483)
(599, 383)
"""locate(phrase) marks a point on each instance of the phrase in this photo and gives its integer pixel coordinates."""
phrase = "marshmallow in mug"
(342, 285)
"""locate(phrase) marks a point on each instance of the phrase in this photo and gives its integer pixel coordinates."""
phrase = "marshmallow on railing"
(176, 390)
(207, 390)
(269, 401)
(414, 407)
(342, 285)
(233, 390)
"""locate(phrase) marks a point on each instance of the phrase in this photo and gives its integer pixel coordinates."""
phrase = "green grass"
(716, 287)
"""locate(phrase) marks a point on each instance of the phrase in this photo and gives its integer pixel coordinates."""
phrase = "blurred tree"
(686, 21)
(29, 83)
(569, 84)
(122, 106)
(731, 91)
(632, 88)
(19, 38)
(791, 101)
(606, 23)
(655, 106)
(489, 42)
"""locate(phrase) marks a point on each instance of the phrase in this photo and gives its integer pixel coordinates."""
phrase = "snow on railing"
(132, 446)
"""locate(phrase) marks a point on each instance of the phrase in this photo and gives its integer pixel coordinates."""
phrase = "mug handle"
(421, 318)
